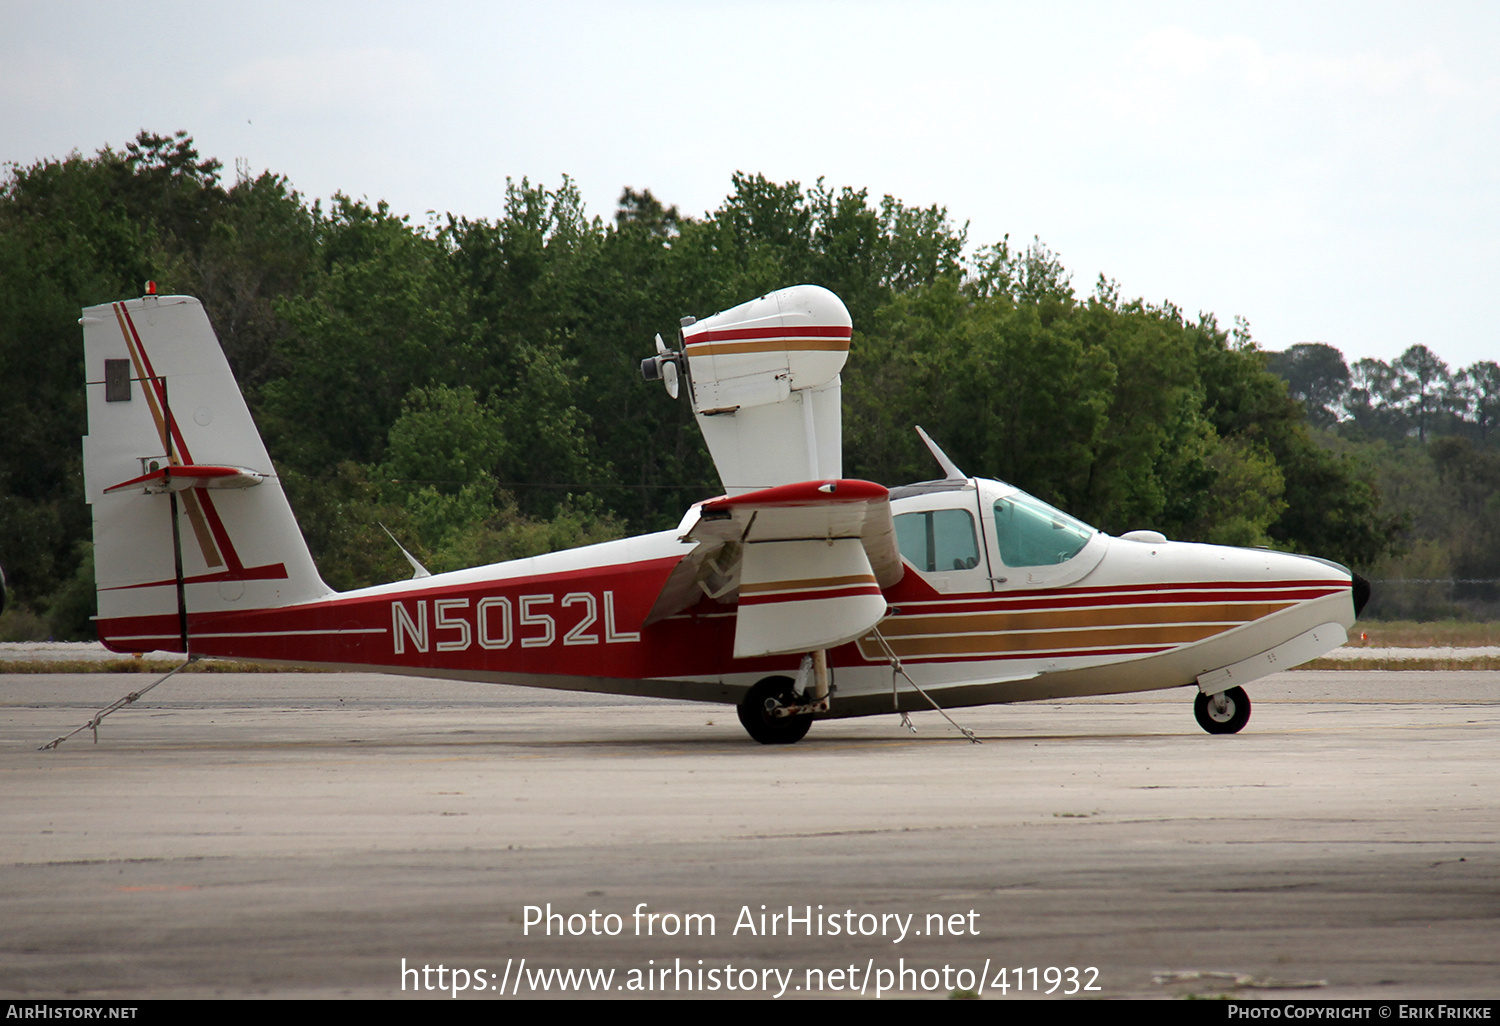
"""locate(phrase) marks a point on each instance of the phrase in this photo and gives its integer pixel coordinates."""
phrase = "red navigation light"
(150, 288)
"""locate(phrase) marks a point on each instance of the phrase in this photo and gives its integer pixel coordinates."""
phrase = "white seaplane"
(796, 595)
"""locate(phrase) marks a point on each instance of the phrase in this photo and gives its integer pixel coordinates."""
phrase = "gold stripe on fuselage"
(830, 345)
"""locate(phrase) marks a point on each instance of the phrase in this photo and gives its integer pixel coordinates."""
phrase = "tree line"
(471, 384)
(1427, 434)
(1415, 395)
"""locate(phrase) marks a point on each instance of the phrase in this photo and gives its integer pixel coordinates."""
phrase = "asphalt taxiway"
(302, 834)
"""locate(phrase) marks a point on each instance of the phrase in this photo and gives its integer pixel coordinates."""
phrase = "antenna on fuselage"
(418, 570)
(950, 469)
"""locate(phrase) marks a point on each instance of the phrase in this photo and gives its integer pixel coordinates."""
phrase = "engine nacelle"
(763, 378)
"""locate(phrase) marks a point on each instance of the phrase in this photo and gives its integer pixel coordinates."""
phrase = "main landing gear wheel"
(756, 717)
(1224, 713)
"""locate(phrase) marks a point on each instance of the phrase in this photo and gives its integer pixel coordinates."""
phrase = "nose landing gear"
(1224, 713)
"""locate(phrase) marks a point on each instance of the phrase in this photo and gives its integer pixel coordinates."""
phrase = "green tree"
(1422, 387)
(382, 317)
(1472, 477)
(473, 384)
(1478, 390)
(75, 232)
(1373, 402)
(1316, 376)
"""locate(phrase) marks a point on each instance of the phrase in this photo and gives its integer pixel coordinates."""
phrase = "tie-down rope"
(896, 667)
(93, 724)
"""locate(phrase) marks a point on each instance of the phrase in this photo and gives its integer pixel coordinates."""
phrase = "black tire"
(761, 725)
(1223, 717)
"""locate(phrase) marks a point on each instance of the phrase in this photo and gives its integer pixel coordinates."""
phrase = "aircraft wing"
(807, 563)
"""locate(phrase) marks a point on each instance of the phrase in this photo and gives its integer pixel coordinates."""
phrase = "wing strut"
(897, 668)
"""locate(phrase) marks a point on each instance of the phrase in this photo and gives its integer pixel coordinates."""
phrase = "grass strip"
(1477, 663)
(130, 665)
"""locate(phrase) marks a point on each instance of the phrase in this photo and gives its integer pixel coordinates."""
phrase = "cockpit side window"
(1032, 533)
(939, 539)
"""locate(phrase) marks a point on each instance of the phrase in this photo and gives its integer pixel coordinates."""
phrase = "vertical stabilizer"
(765, 387)
(189, 516)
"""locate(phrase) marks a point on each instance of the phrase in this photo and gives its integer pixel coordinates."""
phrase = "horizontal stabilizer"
(176, 478)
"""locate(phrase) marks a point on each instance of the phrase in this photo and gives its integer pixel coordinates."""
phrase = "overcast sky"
(1331, 175)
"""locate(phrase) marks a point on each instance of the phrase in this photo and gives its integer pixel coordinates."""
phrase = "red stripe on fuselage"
(576, 623)
(746, 334)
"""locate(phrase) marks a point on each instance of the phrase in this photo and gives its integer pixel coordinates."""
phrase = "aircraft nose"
(1361, 592)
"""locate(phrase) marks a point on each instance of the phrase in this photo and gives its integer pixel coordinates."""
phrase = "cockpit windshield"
(1032, 533)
